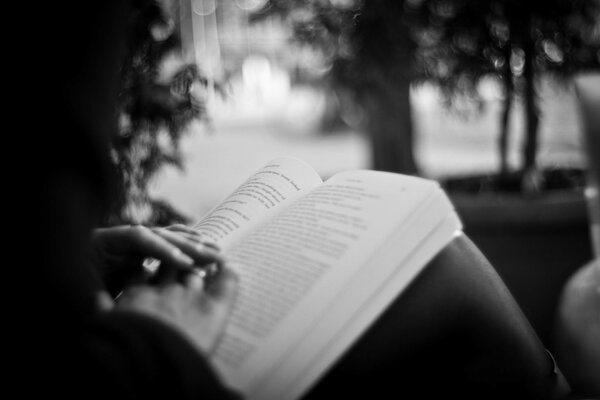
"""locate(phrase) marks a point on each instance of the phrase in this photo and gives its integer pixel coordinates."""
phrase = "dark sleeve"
(114, 355)
(66, 351)
(81, 354)
(132, 356)
(77, 353)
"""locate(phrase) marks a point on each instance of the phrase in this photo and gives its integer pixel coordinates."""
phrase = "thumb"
(103, 301)
(224, 286)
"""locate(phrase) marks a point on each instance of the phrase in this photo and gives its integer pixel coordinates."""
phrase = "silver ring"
(151, 265)
(199, 273)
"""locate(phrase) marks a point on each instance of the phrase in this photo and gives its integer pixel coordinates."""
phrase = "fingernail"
(213, 245)
(208, 250)
(195, 280)
(184, 258)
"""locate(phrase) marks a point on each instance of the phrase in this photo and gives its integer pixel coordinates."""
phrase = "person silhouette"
(456, 331)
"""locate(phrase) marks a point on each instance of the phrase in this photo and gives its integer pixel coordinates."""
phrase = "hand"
(120, 251)
(196, 307)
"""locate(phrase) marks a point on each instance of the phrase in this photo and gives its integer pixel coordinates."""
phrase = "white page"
(335, 340)
(392, 260)
(271, 188)
(346, 219)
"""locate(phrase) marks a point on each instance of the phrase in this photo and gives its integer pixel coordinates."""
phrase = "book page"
(294, 266)
(329, 339)
(268, 190)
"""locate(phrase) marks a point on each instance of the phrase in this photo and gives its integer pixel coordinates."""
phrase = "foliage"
(367, 49)
(453, 44)
(156, 104)
(359, 40)
(460, 42)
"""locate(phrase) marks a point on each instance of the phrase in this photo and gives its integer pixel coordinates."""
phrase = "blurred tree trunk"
(390, 128)
(386, 49)
(532, 114)
(507, 82)
(504, 129)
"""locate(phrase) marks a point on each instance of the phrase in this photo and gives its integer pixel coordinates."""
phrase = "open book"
(318, 262)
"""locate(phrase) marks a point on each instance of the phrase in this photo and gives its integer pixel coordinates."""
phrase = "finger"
(184, 229)
(144, 241)
(173, 291)
(195, 234)
(219, 297)
(157, 246)
(201, 253)
(166, 275)
(224, 286)
(211, 244)
(190, 237)
(198, 239)
(110, 238)
(194, 280)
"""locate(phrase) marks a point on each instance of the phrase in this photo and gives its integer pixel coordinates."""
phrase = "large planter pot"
(535, 243)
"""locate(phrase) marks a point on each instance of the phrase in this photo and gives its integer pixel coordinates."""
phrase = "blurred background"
(298, 78)
(477, 94)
